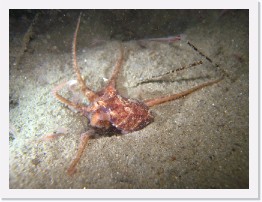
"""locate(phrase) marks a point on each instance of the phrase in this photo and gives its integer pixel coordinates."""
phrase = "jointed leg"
(78, 107)
(90, 95)
(207, 58)
(112, 80)
(83, 142)
(160, 76)
(157, 101)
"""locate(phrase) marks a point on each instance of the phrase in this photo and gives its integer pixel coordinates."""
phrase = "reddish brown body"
(107, 108)
(125, 114)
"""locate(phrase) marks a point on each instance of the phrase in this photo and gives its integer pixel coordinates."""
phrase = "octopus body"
(127, 115)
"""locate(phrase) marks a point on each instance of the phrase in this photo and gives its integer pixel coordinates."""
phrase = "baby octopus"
(108, 109)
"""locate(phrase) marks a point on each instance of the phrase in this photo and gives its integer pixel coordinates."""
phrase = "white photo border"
(254, 176)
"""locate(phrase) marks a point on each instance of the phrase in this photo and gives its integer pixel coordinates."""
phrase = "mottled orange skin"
(127, 115)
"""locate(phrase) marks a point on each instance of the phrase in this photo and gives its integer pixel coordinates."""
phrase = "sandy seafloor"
(199, 141)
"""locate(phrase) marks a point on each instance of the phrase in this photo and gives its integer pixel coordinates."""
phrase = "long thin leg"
(112, 80)
(157, 101)
(90, 95)
(82, 145)
(160, 77)
(78, 107)
(207, 58)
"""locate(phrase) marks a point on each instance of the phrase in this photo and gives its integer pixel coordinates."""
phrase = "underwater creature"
(169, 39)
(108, 109)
